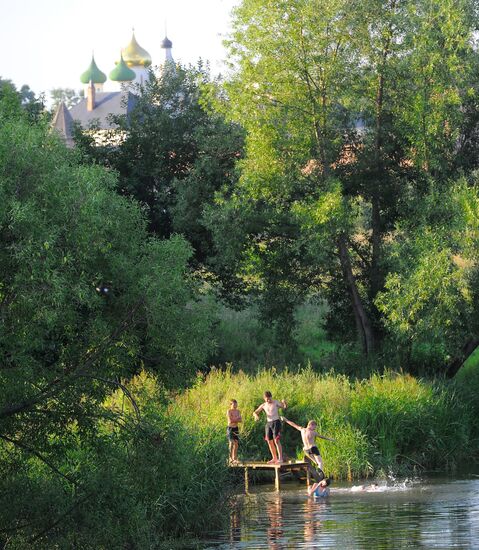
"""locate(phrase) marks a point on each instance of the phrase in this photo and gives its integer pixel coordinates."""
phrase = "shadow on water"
(431, 513)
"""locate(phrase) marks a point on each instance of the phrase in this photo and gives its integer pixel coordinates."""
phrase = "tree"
(13, 102)
(306, 73)
(87, 298)
(176, 153)
(430, 297)
(69, 96)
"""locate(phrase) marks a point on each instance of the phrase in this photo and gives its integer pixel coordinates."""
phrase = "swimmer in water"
(320, 489)
(367, 488)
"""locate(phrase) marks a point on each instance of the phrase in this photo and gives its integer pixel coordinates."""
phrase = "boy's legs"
(234, 451)
(276, 429)
(316, 465)
(313, 488)
(272, 449)
(314, 455)
(269, 438)
(280, 449)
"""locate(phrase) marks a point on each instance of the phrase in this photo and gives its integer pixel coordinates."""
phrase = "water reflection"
(312, 522)
(235, 524)
(275, 521)
(432, 514)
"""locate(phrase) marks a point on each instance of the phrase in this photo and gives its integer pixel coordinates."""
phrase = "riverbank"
(388, 423)
(156, 471)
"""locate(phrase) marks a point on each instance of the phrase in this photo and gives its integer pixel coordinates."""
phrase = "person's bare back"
(308, 435)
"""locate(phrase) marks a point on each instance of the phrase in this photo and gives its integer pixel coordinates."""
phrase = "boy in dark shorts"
(233, 416)
(273, 425)
(309, 435)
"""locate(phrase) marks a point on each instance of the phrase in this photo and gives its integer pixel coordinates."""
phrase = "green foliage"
(17, 104)
(247, 343)
(176, 153)
(467, 383)
(139, 484)
(429, 296)
(349, 111)
(406, 420)
(69, 96)
(388, 422)
(87, 297)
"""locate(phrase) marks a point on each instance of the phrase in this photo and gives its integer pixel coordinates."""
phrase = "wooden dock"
(289, 466)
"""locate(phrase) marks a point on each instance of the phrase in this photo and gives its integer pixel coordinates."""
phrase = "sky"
(48, 43)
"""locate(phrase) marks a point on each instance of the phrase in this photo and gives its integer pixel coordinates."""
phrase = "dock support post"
(246, 485)
(276, 478)
(308, 476)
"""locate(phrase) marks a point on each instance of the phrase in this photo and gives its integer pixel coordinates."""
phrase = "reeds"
(391, 422)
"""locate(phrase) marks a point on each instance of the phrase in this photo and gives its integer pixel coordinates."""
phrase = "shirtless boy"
(320, 489)
(273, 425)
(233, 416)
(309, 435)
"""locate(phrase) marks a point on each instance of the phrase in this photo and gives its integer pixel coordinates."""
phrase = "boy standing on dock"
(233, 416)
(309, 435)
(273, 425)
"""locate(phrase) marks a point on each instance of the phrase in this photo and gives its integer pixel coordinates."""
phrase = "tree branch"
(123, 388)
(60, 383)
(34, 452)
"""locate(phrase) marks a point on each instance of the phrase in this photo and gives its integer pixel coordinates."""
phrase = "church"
(98, 105)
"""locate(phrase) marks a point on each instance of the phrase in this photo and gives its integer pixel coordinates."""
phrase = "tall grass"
(466, 383)
(246, 343)
(388, 422)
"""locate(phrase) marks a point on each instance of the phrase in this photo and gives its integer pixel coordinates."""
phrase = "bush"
(139, 481)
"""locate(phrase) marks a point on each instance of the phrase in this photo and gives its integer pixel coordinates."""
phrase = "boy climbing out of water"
(273, 425)
(309, 435)
(233, 416)
(320, 489)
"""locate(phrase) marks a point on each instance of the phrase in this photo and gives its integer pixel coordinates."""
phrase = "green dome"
(122, 73)
(93, 73)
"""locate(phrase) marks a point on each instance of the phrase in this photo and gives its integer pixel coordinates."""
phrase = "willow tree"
(340, 98)
(296, 66)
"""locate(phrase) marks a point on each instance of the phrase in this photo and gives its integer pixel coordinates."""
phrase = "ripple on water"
(430, 514)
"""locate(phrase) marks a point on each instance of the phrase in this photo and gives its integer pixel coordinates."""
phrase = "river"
(428, 513)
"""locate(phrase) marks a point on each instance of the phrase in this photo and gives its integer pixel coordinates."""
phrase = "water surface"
(433, 513)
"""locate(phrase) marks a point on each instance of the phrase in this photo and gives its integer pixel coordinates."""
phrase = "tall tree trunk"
(468, 348)
(376, 277)
(363, 324)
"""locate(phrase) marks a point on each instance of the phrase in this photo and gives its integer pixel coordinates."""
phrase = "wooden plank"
(282, 466)
(278, 469)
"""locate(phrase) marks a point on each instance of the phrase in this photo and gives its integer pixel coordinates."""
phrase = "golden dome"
(134, 55)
